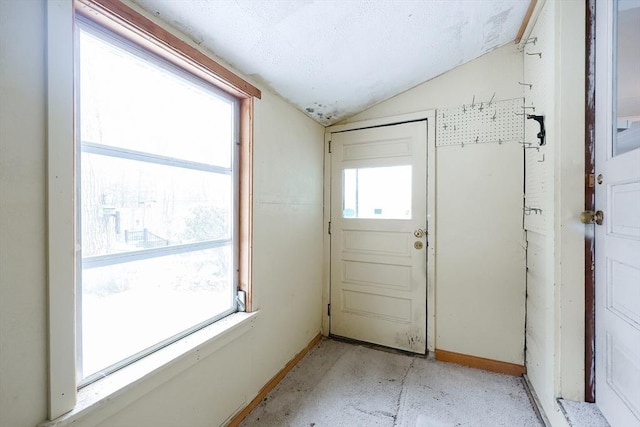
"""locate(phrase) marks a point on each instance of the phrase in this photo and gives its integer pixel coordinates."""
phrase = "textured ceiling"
(335, 58)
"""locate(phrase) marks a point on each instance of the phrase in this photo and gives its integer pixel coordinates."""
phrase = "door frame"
(430, 117)
(590, 204)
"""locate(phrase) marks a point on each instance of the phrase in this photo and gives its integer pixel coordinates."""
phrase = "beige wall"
(480, 256)
(287, 255)
(555, 257)
(23, 311)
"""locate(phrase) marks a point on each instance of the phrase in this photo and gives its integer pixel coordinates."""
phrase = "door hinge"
(329, 147)
(329, 228)
(328, 309)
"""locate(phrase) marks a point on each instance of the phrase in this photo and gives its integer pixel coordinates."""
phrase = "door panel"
(378, 200)
(372, 242)
(624, 209)
(380, 275)
(618, 196)
(623, 294)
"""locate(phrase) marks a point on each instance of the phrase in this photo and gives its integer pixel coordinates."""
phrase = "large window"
(149, 204)
(157, 211)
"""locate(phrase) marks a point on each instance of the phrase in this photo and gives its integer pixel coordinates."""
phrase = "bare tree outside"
(156, 206)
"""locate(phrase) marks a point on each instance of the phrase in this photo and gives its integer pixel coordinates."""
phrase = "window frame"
(63, 252)
(89, 147)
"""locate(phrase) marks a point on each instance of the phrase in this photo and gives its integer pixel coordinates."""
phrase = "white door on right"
(618, 197)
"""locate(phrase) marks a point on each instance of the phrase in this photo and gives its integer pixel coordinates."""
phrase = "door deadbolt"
(419, 233)
(589, 217)
(418, 245)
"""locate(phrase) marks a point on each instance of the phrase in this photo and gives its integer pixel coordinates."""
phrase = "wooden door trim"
(589, 204)
(384, 121)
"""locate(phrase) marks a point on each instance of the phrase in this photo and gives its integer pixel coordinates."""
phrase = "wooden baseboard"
(481, 363)
(237, 419)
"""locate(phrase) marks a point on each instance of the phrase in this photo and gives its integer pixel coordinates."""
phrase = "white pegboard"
(481, 122)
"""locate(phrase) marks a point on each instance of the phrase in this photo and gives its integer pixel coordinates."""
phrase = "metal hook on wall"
(529, 211)
(530, 40)
(535, 53)
(526, 84)
(532, 147)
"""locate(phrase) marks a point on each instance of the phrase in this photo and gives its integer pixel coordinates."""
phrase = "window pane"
(129, 205)
(136, 104)
(626, 135)
(383, 192)
(129, 307)
(157, 203)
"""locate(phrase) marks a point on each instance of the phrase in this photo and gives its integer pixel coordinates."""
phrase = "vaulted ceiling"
(335, 58)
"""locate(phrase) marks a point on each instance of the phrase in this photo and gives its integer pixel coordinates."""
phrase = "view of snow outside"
(383, 192)
(131, 205)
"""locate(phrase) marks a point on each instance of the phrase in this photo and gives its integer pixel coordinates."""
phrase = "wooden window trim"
(112, 14)
(245, 207)
(126, 22)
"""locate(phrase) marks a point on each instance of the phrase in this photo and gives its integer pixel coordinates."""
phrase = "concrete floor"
(582, 414)
(344, 384)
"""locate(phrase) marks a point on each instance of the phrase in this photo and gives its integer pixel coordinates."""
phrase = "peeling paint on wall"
(494, 28)
(333, 59)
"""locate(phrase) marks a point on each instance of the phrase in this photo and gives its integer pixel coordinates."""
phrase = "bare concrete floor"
(582, 414)
(343, 384)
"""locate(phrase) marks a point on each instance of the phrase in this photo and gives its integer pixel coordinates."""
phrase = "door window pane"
(627, 80)
(383, 192)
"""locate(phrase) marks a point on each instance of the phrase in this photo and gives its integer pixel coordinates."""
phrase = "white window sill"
(109, 395)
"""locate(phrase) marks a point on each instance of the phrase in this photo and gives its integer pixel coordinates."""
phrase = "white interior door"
(378, 235)
(618, 197)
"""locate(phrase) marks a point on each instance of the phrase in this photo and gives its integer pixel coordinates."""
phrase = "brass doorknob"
(588, 217)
